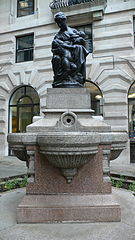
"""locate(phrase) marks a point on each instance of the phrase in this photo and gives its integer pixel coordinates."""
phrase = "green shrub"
(132, 187)
(15, 183)
(118, 183)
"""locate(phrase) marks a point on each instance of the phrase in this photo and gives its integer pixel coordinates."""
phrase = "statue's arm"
(64, 44)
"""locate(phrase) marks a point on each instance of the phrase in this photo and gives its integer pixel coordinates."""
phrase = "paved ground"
(9, 230)
(126, 170)
(11, 166)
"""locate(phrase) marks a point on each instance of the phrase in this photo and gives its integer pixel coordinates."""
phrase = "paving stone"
(9, 230)
(11, 166)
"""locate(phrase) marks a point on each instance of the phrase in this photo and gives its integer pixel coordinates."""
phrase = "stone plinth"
(68, 208)
(64, 98)
(68, 153)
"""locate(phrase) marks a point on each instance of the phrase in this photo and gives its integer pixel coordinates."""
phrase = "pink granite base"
(68, 208)
(87, 198)
(88, 180)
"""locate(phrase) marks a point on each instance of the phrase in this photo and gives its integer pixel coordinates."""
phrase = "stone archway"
(96, 97)
(131, 118)
(23, 105)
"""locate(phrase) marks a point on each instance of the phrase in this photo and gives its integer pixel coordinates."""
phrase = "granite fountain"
(68, 151)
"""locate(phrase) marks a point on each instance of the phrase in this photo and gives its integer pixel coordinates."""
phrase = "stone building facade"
(110, 66)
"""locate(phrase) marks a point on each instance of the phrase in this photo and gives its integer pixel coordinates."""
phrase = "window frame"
(134, 29)
(131, 102)
(85, 25)
(25, 49)
(17, 105)
(96, 104)
(32, 12)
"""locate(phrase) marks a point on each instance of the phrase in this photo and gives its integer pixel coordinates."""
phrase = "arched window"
(96, 98)
(131, 117)
(23, 105)
(131, 104)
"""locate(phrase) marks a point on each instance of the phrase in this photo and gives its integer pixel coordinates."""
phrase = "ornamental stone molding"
(107, 69)
(94, 8)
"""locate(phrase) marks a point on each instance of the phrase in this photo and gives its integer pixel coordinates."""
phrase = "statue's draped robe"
(78, 53)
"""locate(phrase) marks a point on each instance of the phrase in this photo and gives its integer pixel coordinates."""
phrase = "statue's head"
(61, 20)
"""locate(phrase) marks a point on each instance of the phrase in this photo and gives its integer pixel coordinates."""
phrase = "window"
(96, 97)
(131, 104)
(131, 119)
(25, 7)
(24, 48)
(87, 29)
(23, 105)
(134, 28)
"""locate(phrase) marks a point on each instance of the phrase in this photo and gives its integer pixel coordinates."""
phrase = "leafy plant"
(118, 183)
(113, 182)
(15, 183)
(132, 187)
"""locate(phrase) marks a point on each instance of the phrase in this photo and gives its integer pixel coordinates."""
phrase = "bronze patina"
(69, 55)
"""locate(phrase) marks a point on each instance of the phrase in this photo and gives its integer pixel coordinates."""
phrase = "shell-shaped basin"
(68, 151)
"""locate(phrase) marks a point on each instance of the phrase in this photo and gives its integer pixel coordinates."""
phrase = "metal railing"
(66, 3)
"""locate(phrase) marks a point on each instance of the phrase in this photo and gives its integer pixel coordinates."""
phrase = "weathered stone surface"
(88, 180)
(73, 147)
(123, 230)
(70, 208)
(68, 98)
(84, 122)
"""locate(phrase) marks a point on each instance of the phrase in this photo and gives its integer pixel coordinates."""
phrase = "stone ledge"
(68, 208)
(95, 9)
(68, 110)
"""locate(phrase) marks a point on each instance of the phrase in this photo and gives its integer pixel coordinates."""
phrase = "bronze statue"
(69, 55)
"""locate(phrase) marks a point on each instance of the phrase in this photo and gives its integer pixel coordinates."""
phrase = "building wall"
(110, 66)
